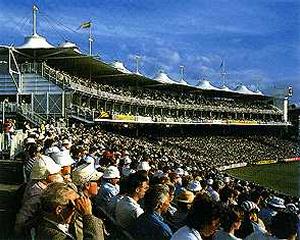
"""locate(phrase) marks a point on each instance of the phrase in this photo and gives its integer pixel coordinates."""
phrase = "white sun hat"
(144, 166)
(127, 160)
(111, 172)
(277, 202)
(194, 186)
(30, 140)
(44, 167)
(85, 173)
(62, 158)
(179, 171)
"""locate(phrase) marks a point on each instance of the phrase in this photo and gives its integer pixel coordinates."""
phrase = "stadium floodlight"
(182, 71)
(137, 60)
(290, 91)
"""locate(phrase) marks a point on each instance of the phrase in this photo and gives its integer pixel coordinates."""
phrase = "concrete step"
(11, 172)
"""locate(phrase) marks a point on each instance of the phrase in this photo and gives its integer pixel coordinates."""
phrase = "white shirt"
(222, 235)
(186, 233)
(127, 211)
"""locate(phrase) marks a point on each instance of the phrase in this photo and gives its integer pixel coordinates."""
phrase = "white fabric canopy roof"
(35, 41)
(120, 66)
(164, 78)
(243, 90)
(225, 88)
(205, 84)
(183, 82)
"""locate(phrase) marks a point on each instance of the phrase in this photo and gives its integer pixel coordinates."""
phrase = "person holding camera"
(59, 204)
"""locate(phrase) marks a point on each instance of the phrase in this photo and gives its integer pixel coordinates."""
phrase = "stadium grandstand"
(84, 142)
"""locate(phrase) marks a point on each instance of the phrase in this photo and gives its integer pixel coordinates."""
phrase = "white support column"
(47, 104)
(285, 109)
(32, 102)
(63, 104)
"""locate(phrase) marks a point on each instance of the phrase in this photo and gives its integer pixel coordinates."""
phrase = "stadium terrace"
(92, 150)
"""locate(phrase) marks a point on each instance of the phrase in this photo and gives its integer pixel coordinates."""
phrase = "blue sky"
(258, 39)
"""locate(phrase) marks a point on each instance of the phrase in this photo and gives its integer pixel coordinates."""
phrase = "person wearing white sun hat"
(44, 172)
(86, 178)
(109, 187)
(143, 166)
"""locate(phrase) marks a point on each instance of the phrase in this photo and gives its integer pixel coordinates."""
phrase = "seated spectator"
(183, 203)
(284, 225)
(86, 178)
(44, 172)
(59, 203)
(231, 222)
(251, 223)
(150, 225)
(274, 205)
(109, 187)
(202, 221)
(128, 209)
(111, 208)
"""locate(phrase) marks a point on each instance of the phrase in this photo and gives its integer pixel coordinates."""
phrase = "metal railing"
(66, 81)
(26, 111)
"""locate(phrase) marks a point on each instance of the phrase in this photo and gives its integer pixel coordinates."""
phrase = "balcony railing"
(66, 81)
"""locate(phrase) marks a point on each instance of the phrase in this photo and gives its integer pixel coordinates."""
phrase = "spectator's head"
(185, 199)
(87, 179)
(112, 175)
(143, 166)
(58, 202)
(137, 185)
(66, 143)
(194, 186)
(45, 169)
(157, 199)
(284, 225)
(232, 219)
(227, 195)
(276, 203)
(205, 215)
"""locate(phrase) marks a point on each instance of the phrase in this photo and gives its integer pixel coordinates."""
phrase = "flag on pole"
(222, 64)
(85, 25)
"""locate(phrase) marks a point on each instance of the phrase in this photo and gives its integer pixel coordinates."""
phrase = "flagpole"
(223, 73)
(90, 40)
(34, 11)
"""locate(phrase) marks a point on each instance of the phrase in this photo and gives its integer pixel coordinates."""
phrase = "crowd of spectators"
(169, 97)
(86, 183)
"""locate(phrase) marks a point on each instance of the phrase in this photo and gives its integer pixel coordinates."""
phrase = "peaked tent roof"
(35, 41)
(258, 92)
(120, 67)
(225, 88)
(164, 78)
(205, 84)
(243, 90)
(183, 82)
